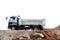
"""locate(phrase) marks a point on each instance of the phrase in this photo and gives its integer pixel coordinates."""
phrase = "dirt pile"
(57, 28)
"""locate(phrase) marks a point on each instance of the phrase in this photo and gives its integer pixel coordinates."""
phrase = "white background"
(31, 9)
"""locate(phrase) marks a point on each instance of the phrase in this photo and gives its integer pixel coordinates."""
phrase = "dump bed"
(33, 22)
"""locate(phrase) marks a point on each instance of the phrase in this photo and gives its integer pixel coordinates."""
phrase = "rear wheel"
(34, 27)
(40, 27)
(37, 27)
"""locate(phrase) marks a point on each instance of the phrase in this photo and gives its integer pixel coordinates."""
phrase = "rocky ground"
(46, 34)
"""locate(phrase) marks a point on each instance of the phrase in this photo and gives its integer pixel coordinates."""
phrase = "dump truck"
(15, 22)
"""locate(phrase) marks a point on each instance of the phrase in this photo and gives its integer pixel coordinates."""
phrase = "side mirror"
(6, 18)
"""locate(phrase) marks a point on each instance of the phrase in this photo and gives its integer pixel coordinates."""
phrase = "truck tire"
(34, 27)
(40, 27)
(37, 27)
(13, 28)
(10, 27)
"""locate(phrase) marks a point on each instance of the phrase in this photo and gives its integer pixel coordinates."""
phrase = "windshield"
(12, 18)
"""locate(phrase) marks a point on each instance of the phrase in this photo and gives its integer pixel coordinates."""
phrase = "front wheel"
(13, 28)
